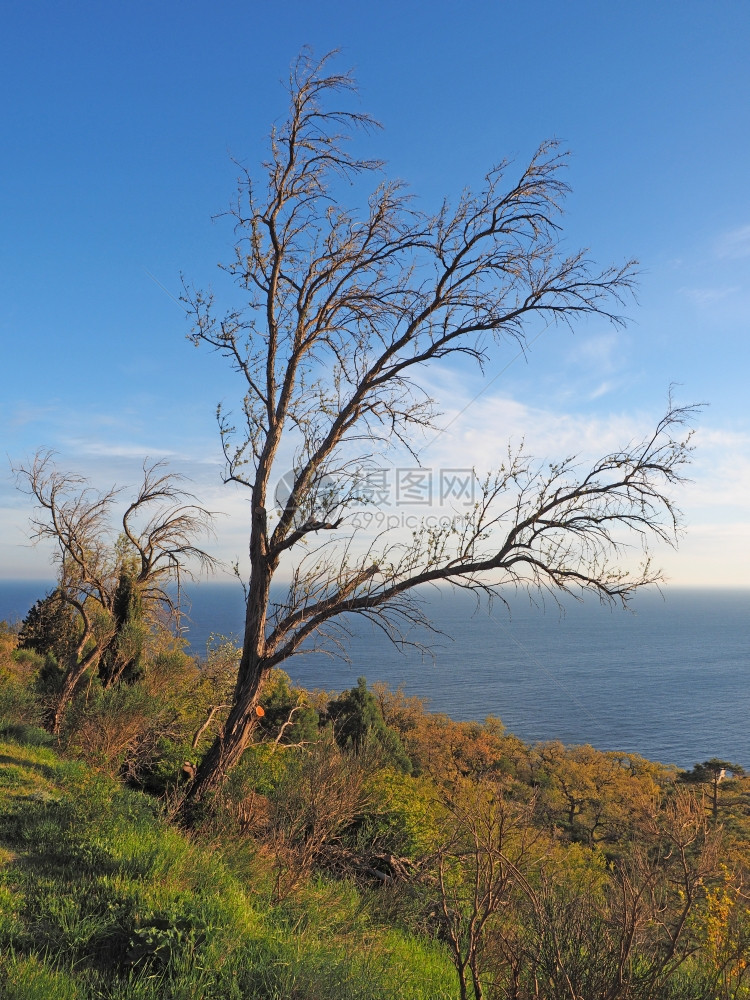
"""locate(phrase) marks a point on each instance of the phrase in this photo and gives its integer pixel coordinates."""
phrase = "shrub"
(288, 716)
(404, 817)
(18, 703)
(50, 627)
(118, 729)
(356, 716)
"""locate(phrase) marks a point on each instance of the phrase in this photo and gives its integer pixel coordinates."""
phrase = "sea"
(669, 679)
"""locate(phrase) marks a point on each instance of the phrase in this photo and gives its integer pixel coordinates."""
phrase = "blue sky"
(120, 125)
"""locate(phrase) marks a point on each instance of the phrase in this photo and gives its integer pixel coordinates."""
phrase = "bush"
(356, 716)
(118, 729)
(25, 734)
(287, 712)
(403, 817)
(320, 796)
(50, 627)
(18, 704)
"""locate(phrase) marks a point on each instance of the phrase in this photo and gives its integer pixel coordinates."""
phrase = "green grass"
(100, 899)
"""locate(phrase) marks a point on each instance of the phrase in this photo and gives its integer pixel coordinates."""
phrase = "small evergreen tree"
(121, 661)
(50, 627)
(288, 717)
(356, 715)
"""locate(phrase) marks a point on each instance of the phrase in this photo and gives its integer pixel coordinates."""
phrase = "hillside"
(100, 897)
(363, 848)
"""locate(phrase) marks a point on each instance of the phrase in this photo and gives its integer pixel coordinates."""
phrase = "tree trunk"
(70, 682)
(478, 992)
(463, 988)
(232, 741)
(230, 744)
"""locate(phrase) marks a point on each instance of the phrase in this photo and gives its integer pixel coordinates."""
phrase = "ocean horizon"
(669, 680)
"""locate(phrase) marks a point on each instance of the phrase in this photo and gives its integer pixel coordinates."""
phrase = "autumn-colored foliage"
(539, 871)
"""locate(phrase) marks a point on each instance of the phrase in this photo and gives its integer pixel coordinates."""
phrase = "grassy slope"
(99, 898)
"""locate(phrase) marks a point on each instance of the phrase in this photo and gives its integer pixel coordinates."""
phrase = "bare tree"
(340, 312)
(482, 867)
(151, 547)
(614, 930)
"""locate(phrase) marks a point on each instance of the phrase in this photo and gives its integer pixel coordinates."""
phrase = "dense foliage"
(363, 847)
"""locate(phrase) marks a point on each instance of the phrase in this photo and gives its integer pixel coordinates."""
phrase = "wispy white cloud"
(602, 389)
(710, 296)
(106, 449)
(478, 432)
(734, 244)
(19, 558)
(490, 422)
(28, 413)
(709, 555)
(601, 354)
(720, 477)
(715, 495)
